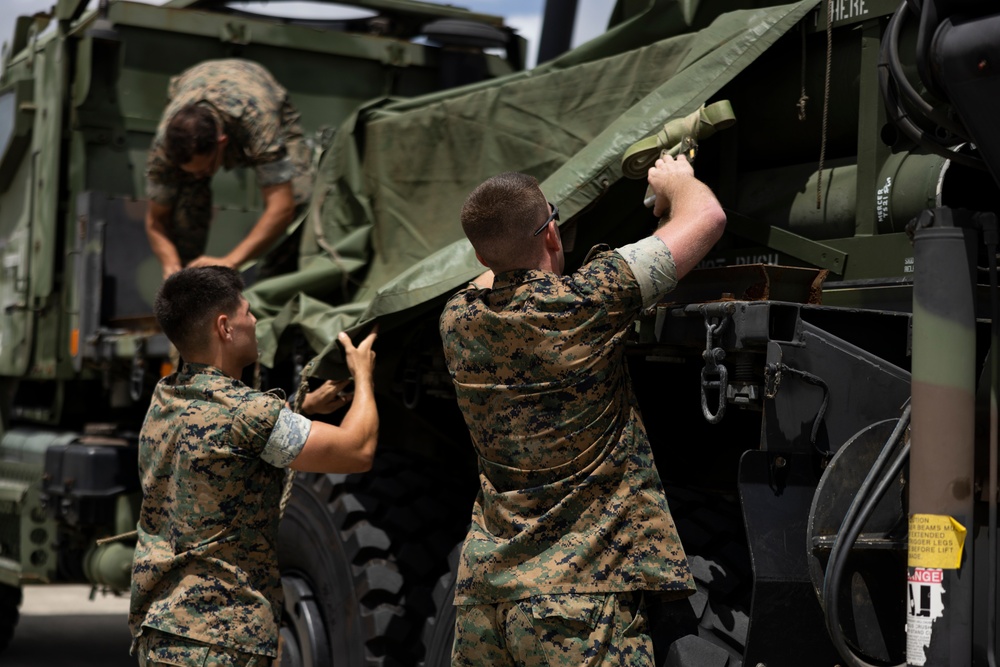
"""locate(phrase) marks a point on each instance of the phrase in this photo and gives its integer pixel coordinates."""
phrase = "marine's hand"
(360, 359)
(326, 398)
(662, 177)
(205, 260)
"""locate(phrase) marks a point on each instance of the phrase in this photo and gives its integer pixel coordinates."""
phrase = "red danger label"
(926, 576)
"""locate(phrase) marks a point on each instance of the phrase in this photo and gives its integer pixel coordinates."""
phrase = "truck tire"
(439, 630)
(359, 555)
(708, 629)
(711, 530)
(10, 600)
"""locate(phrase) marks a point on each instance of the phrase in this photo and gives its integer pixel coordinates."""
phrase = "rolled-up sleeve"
(653, 266)
(275, 173)
(287, 439)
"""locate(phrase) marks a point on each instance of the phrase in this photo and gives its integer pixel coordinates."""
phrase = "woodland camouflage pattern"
(570, 501)
(205, 567)
(264, 133)
(554, 631)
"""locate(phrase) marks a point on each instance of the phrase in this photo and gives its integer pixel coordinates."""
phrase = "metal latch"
(714, 326)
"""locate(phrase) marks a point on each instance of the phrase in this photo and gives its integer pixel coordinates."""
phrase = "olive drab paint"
(939, 563)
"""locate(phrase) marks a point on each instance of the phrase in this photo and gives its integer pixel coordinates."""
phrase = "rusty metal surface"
(752, 282)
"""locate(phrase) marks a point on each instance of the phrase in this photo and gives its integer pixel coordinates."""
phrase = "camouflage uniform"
(264, 133)
(158, 649)
(211, 459)
(570, 504)
(553, 631)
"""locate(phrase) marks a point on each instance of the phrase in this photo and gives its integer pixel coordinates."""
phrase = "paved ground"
(60, 626)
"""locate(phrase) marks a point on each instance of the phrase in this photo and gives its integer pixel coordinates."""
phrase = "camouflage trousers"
(158, 649)
(588, 630)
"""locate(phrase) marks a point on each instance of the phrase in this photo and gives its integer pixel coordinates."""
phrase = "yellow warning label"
(935, 541)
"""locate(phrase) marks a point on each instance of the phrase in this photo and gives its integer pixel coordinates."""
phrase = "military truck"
(817, 394)
(81, 94)
(778, 382)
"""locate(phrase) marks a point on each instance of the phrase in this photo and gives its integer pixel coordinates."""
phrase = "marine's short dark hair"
(500, 215)
(192, 130)
(188, 300)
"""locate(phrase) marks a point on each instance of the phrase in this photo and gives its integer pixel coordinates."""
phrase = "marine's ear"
(221, 327)
(553, 240)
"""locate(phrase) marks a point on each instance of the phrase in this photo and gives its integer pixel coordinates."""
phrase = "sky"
(523, 15)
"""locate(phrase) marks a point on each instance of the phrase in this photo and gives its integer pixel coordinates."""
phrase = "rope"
(300, 397)
(803, 98)
(826, 102)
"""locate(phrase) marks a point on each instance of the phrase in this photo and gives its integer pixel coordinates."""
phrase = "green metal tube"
(110, 565)
(939, 622)
(907, 184)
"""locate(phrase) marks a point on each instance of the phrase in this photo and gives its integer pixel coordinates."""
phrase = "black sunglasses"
(554, 216)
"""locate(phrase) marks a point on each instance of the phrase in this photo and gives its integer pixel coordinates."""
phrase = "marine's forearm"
(278, 212)
(157, 220)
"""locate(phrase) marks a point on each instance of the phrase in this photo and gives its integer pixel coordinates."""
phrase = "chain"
(803, 98)
(712, 356)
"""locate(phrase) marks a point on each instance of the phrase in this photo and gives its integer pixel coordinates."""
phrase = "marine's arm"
(157, 221)
(349, 447)
(279, 208)
(696, 219)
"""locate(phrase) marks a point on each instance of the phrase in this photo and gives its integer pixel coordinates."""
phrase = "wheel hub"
(304, 640)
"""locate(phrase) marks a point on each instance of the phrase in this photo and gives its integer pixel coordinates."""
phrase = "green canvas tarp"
(383, 237)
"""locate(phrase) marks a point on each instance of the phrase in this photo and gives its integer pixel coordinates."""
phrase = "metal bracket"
(772, 379)
(816, 253)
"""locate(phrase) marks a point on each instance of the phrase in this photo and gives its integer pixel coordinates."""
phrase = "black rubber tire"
(439, 630)
(711, 530)
(10, 600)
(708, 629)
(364, 552)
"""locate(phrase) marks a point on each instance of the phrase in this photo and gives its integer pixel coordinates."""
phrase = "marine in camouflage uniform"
(570, 530)
(212, 466)
(263, 132)
(213, 455)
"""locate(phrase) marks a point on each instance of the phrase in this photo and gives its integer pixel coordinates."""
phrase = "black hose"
(903, 83)
(816, 381)
(861, 507)
(890, 77)
(835, 570)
